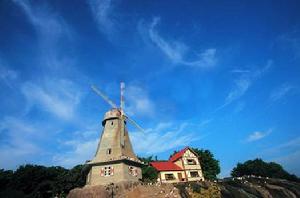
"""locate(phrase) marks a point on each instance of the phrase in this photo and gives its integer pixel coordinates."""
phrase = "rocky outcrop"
(251, 186)
(248, 186)
(126, 190)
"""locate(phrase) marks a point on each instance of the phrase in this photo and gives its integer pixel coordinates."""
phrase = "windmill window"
(108, 152)
(107, 171)
(112, 123)
(131, 170)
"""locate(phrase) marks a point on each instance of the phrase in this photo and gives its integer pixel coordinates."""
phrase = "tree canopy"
(210, 166)
(260, 168)
(40, 181)
(148, 172)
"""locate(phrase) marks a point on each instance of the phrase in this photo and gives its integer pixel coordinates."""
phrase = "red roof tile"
(178, 155)
(165, 166)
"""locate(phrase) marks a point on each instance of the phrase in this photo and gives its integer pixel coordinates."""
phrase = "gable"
(183, 152)
(189, 153)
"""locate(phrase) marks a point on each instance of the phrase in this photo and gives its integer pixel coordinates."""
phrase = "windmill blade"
(135, 124)
(98, 92)
(122, 102)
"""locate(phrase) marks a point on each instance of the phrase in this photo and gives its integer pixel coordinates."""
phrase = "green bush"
(260, 168)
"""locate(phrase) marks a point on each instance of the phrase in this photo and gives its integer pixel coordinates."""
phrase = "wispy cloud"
(160, 139)
(290, 162)
(290, 144)
(138, 102)
(46, 21)
(7, 75)
(281, 92)
(286, 153)
(52, 30)
(78, 149)
(291, 42)
(240, 71)
(76, 152)
(258, 135)
(102, 11)
(205, 122)
(20, 141)
(176, 51)
(243, 83)
(58, 97)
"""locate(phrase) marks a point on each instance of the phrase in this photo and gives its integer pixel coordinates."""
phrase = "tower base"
(103, 173)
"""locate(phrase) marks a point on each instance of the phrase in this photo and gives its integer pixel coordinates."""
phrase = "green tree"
(5, 178)
(260, 168)
(40, 181)
(147, 160)
(210, 166)
(148, 172)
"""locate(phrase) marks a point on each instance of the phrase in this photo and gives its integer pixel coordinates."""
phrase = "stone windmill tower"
(114, 160)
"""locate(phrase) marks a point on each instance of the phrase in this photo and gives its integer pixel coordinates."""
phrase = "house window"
(107, 170)
(169, 177)
(130, 168)
(108, 151)
(194, 174)
(191, 162)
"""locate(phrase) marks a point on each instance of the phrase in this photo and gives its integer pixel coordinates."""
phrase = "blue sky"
(218, 75)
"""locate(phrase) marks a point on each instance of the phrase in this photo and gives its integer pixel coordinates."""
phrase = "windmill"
(114, 160)
(124, 117)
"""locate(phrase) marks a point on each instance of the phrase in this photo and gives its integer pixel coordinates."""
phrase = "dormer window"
(191, 162)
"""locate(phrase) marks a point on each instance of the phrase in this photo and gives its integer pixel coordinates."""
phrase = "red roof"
(165, 166)
(178, 155)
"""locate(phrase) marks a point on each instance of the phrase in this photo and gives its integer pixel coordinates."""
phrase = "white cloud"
(290, 42)
(243, 83)
(59, 97)
(240, 71)
(205, 122)
(295, 142)
(44, 19)
(290, 162)
(280, 92)
(7, 75)
(138, 102)
(52, 30)
(20, 142)
(176, 51)
(78, 149)
(257, 135)
(241, 86)
(78, 152)
(164, 137)
(286, 153)
(291, 144)
(102, 12)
